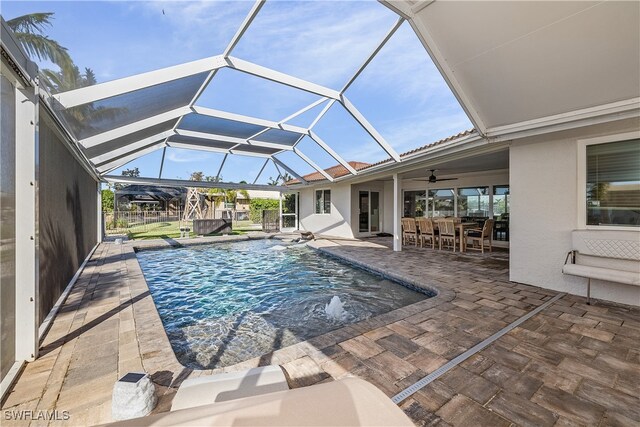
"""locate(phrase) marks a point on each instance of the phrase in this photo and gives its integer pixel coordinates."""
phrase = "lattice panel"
(627, 249)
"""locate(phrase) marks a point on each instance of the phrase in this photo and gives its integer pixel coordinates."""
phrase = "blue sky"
(401, 92)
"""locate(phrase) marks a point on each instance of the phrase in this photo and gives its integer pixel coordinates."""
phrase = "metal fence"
(270, 220)
(122, 222)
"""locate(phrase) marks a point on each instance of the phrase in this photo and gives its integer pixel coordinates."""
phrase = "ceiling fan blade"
(446, 179)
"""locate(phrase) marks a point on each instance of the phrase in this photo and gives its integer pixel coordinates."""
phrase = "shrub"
(256, 206)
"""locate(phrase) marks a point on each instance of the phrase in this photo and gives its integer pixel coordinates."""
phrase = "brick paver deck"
(572, 364)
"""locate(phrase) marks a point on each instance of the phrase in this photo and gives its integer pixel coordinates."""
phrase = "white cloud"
(322, 41)
(199, 26)
(186, 156)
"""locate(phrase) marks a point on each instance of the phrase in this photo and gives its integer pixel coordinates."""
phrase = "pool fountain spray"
(335, 309)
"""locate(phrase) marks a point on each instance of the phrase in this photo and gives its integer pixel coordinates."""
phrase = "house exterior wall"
(68, 217)
(338, 222)
(544, 211)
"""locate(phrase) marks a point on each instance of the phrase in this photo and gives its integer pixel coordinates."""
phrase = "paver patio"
(571, 364)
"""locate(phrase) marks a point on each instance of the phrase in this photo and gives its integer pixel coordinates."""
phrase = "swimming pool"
(224, 303)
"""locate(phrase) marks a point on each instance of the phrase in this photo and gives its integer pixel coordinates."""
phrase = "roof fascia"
(570, 120)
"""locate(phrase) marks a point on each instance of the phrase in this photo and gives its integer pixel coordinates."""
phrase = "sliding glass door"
(369, 211)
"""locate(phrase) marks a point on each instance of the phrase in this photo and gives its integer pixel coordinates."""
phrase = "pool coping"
(158, 357)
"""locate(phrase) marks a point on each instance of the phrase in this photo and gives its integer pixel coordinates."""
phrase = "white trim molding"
(581, 177)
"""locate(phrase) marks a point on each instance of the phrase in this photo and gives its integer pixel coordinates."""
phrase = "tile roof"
(424, 147)
(339, 170)
(334, 171)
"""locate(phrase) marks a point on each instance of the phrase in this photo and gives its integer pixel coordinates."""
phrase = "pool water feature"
(224, 303)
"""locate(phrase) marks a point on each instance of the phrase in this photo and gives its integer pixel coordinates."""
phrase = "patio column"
(99, 221)
(27, 266)
(280, 210)
(397, 213)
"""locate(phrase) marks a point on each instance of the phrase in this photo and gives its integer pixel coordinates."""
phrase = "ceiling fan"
(432, 178)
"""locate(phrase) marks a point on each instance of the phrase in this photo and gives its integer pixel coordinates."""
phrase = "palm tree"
(29, 31)
(81, 117)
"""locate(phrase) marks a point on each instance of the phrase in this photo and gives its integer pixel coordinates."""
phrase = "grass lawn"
(170, 230)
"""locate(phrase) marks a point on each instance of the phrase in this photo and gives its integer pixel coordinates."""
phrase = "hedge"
(256, 206)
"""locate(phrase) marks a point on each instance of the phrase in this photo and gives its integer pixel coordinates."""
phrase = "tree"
(196, 176)
(29, 31)
(134, 173)
(280, 179)
(107, 200)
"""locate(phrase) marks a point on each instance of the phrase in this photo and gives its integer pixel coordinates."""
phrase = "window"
(613, 183)
(323, 201)
(415, 204)
(501, 202)
(473, 202)
(441, 202)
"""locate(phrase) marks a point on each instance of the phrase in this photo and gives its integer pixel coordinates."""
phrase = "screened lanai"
(119, 121)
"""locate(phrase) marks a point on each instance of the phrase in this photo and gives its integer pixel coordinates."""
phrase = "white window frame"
(314, 201)
(582, 179)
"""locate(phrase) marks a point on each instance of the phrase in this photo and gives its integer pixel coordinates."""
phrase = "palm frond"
(31, 23)
(43, 48)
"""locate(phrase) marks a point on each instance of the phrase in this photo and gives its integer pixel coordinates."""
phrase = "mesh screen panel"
(256, 149)
(215, 125)
(100, 116)
(201, 142)
(279, 136)
(114, 144)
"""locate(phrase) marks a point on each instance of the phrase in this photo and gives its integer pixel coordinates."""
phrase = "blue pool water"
(228, 302)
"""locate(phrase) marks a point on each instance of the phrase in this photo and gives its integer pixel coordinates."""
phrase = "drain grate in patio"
(398, 398)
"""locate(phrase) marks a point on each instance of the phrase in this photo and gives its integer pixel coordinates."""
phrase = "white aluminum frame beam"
(374, 53)
(304, 110)
(184, 146)
(108, 167)
(130, 148)
(368, 127)
(164, 151)
(26, 224)
(231, 140)
(278, 77)
(243, 27)
(279, 162)
(247, 119)
(105, 90)
(224, 159)
(188, 183)
(424, 35)
(322, 113)
(312, 164)
(250, 154)
(107, 136)
(266, 162)
(332, 153)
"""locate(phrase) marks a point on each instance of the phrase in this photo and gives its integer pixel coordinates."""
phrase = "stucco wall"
(335, 224)
(68, 215)
(544, 211)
